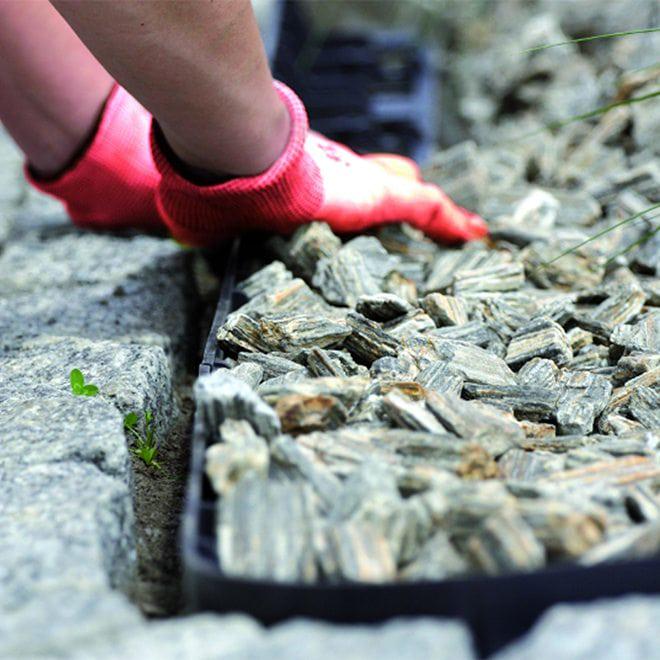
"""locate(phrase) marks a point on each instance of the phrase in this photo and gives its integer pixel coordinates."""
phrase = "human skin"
(200, 68)
(228, 140)
(51, 87)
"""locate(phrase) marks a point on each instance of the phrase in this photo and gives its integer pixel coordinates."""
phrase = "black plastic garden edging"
(497, 609)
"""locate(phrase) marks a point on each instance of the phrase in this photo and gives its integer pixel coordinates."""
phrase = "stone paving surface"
(620, 629)
(119, 309)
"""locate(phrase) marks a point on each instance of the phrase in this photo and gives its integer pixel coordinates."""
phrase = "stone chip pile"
(398, 410)
(410, 411)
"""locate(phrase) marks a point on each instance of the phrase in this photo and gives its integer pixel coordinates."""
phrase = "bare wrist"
(247, 148)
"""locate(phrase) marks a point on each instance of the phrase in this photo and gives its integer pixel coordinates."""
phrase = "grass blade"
(640, 69)
(639, 242)
(609, 35)
(599, 234)
(602, 110)
(554, 125)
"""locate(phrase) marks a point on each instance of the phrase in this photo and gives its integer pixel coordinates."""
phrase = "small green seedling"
(78, 386)
(146, 446)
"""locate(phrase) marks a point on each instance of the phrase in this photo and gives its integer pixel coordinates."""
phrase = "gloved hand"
(112, 185)
(313, 179)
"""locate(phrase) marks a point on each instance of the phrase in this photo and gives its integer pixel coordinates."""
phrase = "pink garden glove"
(112, 185)
(313, 179)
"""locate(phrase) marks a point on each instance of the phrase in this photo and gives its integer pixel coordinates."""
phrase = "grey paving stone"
(53, 625)
(621, 629)
(39, 216)
(67, 428)
(6, 224)
(400, 639)
(64, 525)
(130, 376)
(12, 182)
(131, 312)
(199, 637)
(40, 226)
(235, 637)
(23, 208)
(84, 258)
(36, 209)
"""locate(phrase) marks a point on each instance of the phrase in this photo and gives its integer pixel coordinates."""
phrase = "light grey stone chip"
(221, 396)
(264, 531)
(541, 338)
(382, 306)
(242, 452)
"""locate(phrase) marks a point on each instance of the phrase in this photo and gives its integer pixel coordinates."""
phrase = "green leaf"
(148, 416)
(146, 454)
(130, 420)
(90, 390)
(609, 35)
(77, 379)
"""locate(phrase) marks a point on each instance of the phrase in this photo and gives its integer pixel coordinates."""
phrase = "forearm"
(46, 112)
(225, 116)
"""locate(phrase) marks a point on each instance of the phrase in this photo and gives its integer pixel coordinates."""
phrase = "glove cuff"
(111, 183)
(289, 190)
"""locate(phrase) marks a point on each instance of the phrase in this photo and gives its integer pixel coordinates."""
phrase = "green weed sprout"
(78, 385)
(146, 446)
